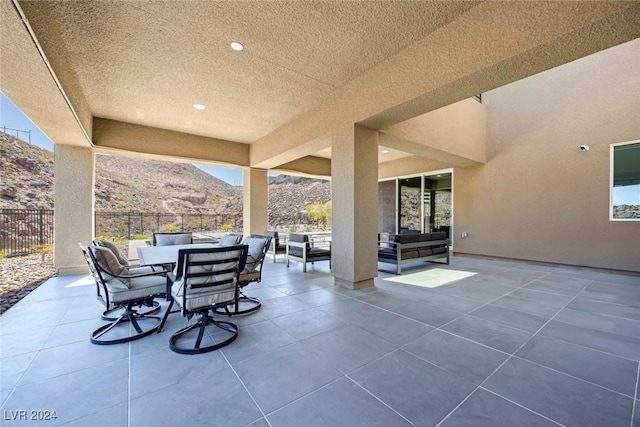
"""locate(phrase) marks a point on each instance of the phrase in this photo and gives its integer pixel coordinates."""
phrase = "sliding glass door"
(421, 203)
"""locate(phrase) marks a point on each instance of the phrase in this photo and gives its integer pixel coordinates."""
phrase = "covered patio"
(479, 342)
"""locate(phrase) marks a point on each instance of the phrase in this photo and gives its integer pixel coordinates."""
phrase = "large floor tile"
(341, 403)
(462, 357)
(420, 391)
(393, 328)
(256, 339)
(427, 313)
(484, 292)
(516, 319)
(564, 399)
(282, 306)
(165, 368)
(601, 322)
(454, 303)
(307, 323)
(527, 306)
(619, 345)
(319, 297)
(72, 396)
(549, 299)
(12, 368)
(202, 399)
(386, 299)
(26, 342)
(350, 310)
(292, 371)
(347, 348)
(608, 292)
(569, 287)
(65, 359)
(492, 334)
(618, 310)
(485, 409)
(116, 416)
(609, 371)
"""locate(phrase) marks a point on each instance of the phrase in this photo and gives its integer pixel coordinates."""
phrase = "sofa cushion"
(439, 235)
(439, 250)
(424, 237)
(425, 252)
(406, 238)
(389, 253)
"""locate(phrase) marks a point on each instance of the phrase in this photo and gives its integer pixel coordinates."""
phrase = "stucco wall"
(539, 197)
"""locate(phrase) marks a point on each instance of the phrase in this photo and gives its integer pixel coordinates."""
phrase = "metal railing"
(131, 225)
(17, 132)
(23, 231)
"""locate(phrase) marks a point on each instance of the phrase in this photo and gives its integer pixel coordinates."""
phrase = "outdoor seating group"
(206, 281)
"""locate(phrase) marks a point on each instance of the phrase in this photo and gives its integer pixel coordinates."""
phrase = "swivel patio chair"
(206, 279)
(169, 239)
(133, 269)
(231, 239)
(118, 288)
(252, 272)
(299, 249)
(278, 244)
(166, 239)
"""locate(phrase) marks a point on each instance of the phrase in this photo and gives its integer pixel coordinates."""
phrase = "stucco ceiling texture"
(148, 62)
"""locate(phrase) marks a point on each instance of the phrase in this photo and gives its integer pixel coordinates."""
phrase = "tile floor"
(479, 342)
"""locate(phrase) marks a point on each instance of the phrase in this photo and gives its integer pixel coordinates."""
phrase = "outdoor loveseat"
(402, 249)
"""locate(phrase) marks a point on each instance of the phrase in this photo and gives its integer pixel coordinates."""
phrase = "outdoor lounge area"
(478, 342)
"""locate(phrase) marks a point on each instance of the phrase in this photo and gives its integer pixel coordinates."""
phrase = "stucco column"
(354, 193)
(74, 202)
(255, 196)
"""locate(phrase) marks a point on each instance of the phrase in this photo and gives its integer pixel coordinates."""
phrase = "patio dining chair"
(252, 273)
(206, 279)
(118, 288)
(166, 239)
(300, 248)
(278, 243)
(230, 239)
(132, 269)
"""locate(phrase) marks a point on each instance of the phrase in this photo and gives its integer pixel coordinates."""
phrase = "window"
(625, 181)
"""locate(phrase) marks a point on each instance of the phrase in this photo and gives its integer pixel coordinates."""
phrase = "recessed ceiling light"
(237, 46)
(199, 106)
(384, 151)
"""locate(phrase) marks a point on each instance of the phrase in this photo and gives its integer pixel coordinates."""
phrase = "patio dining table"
(160, 255)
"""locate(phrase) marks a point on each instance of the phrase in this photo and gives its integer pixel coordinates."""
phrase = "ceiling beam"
(491, 45)
(121, 136)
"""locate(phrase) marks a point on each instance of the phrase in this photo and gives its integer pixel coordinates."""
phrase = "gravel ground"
(21, 275)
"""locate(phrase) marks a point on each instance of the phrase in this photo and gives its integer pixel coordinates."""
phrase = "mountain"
(126, 184)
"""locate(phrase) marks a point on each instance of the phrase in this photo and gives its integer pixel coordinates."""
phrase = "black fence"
(24, 231)
(131, 225)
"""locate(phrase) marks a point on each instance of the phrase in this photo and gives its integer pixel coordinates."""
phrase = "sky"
(12, 117)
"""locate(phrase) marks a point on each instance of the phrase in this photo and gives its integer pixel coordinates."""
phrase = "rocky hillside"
(125, 184)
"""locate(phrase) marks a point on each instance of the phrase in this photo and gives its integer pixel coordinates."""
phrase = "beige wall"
(539, 197)
(455, 133)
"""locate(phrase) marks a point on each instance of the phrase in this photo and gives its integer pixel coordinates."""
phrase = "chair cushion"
(110, 264)
(229, 240)
(256, 247)
(168, 239)
(139, 287)
(390, 253)
(315, 253)
(116, 251)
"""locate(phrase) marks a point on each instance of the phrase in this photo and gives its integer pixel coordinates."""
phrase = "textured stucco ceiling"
(149, 62)
(136, 67)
